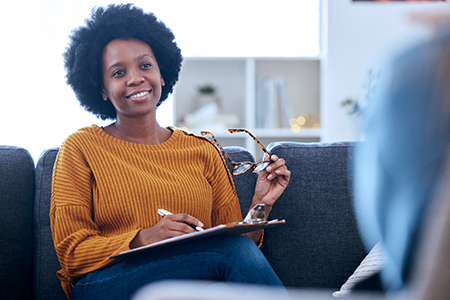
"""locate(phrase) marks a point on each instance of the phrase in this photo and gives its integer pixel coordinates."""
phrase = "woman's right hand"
(169, 226)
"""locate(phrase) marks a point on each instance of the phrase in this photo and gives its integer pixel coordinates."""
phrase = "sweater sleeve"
(80, 246)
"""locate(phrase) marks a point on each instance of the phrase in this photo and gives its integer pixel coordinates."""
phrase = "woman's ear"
(162, 81)
(104, 96)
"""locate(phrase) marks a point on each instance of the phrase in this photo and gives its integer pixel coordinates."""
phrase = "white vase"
(205, 99)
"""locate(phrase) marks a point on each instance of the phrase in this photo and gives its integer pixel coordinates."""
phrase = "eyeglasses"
(242, 167)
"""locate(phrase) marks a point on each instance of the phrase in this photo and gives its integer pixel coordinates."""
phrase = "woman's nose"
(135, 78)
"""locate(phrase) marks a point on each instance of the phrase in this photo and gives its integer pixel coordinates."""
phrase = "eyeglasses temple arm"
(252, 136)
(218, 146)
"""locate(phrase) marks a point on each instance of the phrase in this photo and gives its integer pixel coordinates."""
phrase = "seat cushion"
(319, 246)
(46, 283)
(16, 215)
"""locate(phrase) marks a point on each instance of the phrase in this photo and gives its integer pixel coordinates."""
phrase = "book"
(232, 228)
(273, 109)
(284, 107)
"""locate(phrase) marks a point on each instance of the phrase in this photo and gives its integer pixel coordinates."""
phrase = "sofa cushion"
(319, 246)
(46, 283)
(16, 238)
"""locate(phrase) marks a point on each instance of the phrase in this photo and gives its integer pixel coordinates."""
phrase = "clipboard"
(232, 228)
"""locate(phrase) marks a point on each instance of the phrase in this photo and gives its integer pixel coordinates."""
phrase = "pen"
(164, 212)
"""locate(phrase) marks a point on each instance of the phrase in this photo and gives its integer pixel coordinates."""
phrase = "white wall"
(38, 110)
(358, 37)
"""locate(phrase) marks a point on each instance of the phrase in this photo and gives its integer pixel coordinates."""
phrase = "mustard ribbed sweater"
(105, 190)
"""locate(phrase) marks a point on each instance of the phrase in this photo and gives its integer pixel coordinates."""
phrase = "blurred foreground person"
(400, 167)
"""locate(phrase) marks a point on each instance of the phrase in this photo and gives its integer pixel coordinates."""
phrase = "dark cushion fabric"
(16, 238)
(319, 246)
(46, 283)
(244, 183)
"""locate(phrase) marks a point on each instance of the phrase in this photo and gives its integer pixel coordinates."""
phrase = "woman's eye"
(146, 65)
(118, 73)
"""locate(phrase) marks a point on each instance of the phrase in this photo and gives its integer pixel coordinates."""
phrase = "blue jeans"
(229, 258)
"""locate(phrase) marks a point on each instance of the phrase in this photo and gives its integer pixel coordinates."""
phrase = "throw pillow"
(370, 265)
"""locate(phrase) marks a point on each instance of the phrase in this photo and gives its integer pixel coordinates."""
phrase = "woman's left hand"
(271, 182)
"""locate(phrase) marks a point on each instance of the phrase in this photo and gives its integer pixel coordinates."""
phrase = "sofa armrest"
(16, 238)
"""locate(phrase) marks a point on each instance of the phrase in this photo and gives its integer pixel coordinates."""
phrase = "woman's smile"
(139, 96)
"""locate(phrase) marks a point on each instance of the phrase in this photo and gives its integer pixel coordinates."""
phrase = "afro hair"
(83, 55)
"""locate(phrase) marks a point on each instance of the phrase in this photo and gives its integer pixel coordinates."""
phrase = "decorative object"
(206, 94)
(303, 121)
(207, 112)
(356, 105)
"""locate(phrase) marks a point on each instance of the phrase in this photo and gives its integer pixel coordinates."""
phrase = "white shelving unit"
(237, 81)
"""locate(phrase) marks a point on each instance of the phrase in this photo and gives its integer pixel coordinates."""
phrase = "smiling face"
(131, 78)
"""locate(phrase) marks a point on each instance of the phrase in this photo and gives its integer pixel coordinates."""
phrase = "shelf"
(249, 94)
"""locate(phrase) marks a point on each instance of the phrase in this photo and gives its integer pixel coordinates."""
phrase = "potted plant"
(206, 95)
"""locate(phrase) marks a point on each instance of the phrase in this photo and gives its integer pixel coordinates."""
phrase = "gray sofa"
(319, 247)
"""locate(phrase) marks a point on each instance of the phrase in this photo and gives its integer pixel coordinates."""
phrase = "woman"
(109, 182)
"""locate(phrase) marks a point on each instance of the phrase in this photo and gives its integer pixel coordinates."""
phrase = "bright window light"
(38, 110)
